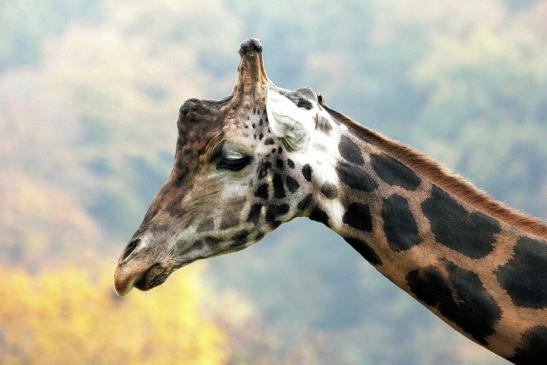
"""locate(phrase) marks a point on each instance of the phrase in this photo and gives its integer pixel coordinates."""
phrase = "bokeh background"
(89, 97)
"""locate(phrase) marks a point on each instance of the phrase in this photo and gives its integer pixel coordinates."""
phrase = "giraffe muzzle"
(154, 276)
(140, 276)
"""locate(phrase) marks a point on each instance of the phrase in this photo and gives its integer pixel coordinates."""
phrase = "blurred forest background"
(89, 97)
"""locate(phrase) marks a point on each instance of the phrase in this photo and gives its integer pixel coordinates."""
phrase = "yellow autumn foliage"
(69, 316)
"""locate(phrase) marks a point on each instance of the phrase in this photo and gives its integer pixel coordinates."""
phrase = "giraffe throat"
(482, 275)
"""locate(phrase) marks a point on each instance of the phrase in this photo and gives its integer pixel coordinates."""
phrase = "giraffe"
(265, 155)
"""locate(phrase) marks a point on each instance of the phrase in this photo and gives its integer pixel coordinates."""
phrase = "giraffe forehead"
(200, 121)
(248, 127)
(205, 125)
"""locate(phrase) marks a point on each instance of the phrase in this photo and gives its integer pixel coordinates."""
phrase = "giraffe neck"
(479, 266)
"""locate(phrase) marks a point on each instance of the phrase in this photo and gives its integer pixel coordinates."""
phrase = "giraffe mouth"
(154, 276)
(140, 277)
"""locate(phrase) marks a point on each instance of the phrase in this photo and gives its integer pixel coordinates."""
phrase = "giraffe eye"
(233, 161)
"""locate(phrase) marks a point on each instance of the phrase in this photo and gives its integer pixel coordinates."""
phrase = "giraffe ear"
(292, 124)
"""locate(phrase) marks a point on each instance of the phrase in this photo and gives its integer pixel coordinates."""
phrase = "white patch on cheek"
(317, 147)
(322, 155)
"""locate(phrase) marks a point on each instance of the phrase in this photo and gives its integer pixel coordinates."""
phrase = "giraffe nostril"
(130, 248)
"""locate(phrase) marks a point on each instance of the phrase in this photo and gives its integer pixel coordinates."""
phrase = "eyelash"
(233, 164)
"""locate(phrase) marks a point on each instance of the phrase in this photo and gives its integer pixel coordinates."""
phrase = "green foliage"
(486, 99)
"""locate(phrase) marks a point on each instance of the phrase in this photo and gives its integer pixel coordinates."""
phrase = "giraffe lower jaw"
(154, 276)
(141, 277)
(157, 274)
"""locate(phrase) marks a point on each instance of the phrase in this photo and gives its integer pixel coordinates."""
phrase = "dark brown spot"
(262, 191)
(355, 177)
(524, 277)
(358, 216)
(533, 347)
(292, 184)
(279, 190)
(350, 151)
(399, 223)
(364, 250)
(470, 233)
(274, 211)
(254, 213)
(462, 298)
(319, 215)
(305, 203)
(394, 172)
(307, 171)
(330, 191)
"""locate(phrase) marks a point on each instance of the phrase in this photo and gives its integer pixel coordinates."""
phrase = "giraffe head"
(243, 166)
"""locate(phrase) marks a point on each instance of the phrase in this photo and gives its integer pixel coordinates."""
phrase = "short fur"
(450, 182)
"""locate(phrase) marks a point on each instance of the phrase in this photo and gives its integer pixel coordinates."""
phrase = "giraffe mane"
(444, 178)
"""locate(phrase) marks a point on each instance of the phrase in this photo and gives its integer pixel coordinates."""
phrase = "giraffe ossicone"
(264, 155)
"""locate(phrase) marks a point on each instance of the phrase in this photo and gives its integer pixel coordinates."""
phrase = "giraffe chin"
(154, 276)
(142, 278)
